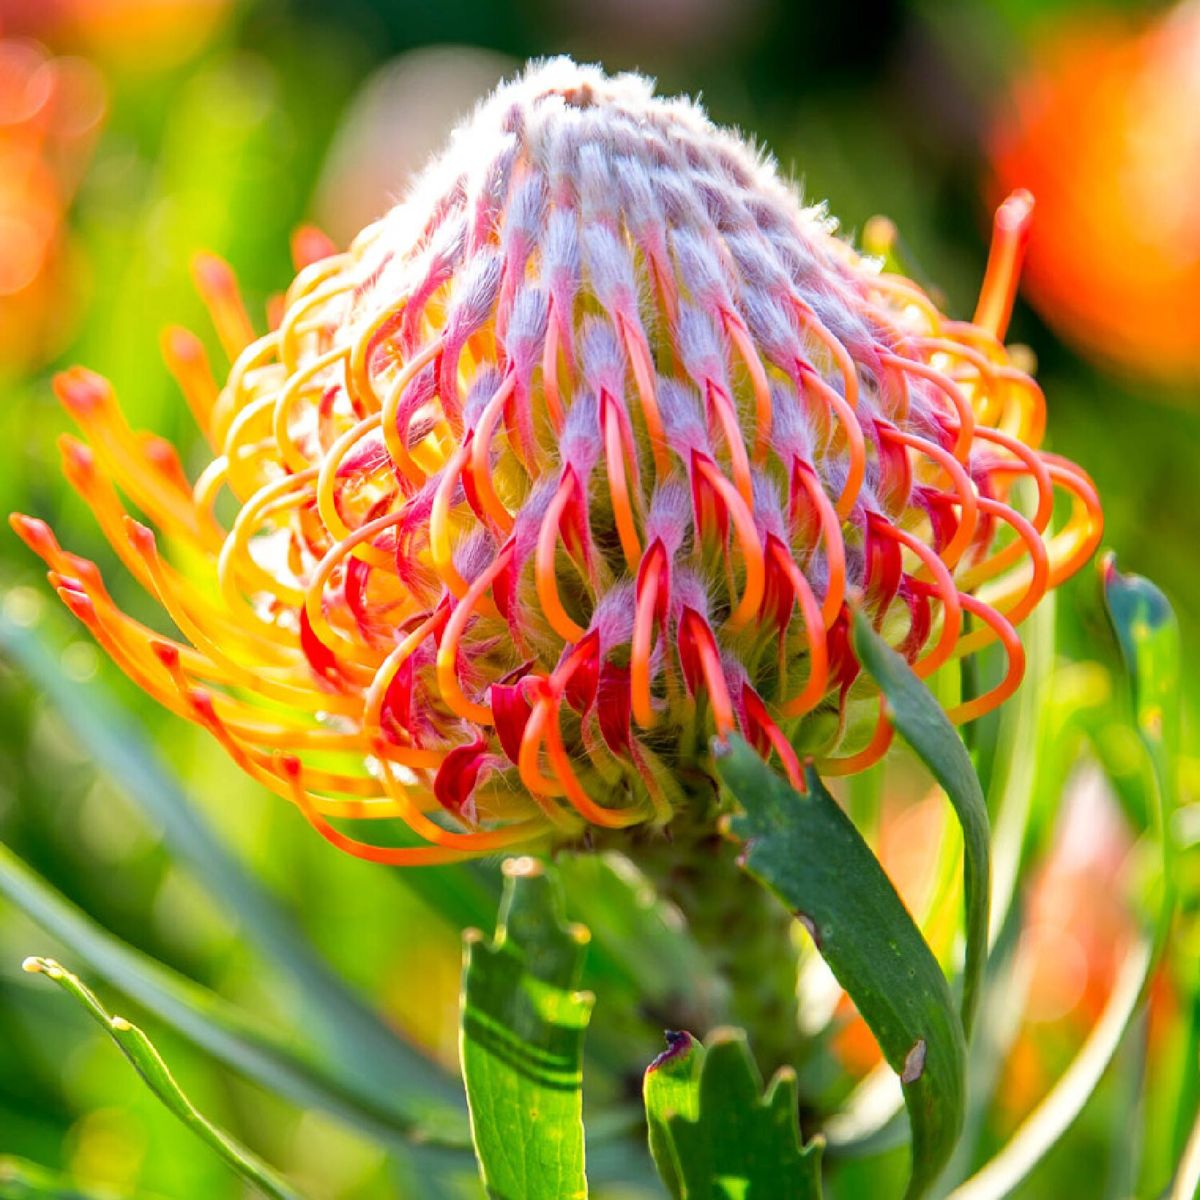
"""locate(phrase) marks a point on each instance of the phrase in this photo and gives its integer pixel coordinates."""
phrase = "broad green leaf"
(715, 1135)
(806, 850)
(253, 1048)
(926, 728)
(352, 1038)
(148, 1063)
(523, 1025)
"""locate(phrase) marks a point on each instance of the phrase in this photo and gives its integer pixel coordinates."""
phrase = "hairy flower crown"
(578, 455)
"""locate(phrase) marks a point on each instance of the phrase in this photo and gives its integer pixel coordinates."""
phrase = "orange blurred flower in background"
(1104, 130)
(50, 112)
(128, 36)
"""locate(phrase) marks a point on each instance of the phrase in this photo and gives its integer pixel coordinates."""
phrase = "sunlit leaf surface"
(523, 1025)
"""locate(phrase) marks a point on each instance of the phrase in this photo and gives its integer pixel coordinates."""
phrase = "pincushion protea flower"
(578, 455)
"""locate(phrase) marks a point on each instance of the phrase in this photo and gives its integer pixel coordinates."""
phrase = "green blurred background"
(225, 125)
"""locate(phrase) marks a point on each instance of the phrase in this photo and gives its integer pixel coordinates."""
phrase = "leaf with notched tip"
(714, 1135)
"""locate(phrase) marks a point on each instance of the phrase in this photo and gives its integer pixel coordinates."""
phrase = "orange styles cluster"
(576, 457)
(1102, 128)
(50, 111)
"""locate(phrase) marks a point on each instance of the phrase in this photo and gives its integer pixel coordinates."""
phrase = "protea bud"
(577, 456)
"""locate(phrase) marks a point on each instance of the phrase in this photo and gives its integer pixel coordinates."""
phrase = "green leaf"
(523, 1025)
(806, 850)
(714, 1135)
(1148, 633)
(926, 728)
(253, 1048)
(148, 1063)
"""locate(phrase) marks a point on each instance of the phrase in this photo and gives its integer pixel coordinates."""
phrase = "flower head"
(577, 456)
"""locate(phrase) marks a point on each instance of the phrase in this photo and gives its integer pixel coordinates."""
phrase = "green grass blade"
(714, 1135)
(925, 727)
(155, 1073)
(255, 1050)
(523, 1025)
(807, 851)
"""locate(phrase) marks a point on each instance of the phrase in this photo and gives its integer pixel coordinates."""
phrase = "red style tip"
(141, 537)
(310, 245)
(79, 463)
(290, 766)
(1015, 215)
(35, 533)
(213, 274)
(166, 654)
(181, 345)
(82, 391)
(202, 704)
(80, 603)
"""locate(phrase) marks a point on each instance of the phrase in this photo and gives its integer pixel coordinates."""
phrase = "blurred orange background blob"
(50, 111)
(1104, 129)
(133, 36)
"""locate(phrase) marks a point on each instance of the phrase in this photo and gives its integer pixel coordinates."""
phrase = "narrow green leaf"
(155, 1073)
(253, 1048)
(523, 1025)
(1148, 633)
(806, 850)
(714, 1135)
(925, 727)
